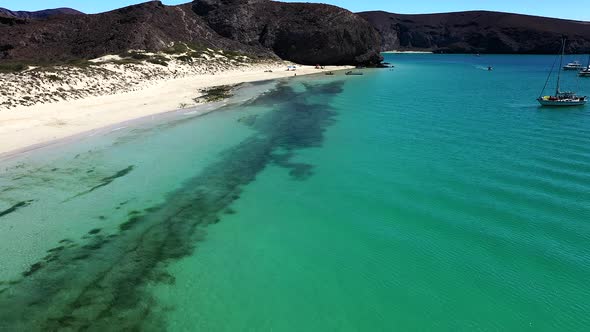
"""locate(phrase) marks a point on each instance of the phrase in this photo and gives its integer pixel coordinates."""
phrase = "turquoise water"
(435, 196)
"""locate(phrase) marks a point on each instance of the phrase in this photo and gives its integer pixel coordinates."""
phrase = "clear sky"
(571, 9)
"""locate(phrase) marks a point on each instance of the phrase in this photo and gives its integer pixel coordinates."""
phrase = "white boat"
(576, 65)
(561, 98)
(585, 72)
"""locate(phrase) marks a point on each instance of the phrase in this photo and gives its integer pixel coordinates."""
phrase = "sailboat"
(585, 72)
(561, 98)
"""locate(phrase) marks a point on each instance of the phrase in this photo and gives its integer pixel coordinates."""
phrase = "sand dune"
(38, 108)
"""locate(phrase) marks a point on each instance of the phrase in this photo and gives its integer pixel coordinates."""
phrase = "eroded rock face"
(303, 33)
(478, 32)
(149, 26)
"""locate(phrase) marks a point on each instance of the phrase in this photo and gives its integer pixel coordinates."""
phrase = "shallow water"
(435, 196)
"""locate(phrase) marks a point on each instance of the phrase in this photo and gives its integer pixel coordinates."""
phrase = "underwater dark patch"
(259, 83)
(165, 278)
(56, 249)
(94, 231)
(15, 207)
(99, 285)
(127, 225)
(34, 268)
(248, 120)
(94, 246)
(107, 180)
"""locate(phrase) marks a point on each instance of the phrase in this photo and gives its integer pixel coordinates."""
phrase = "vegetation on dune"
(158, 60)
(136, 55)
(215, 93)
(12, 67)
(177, 48)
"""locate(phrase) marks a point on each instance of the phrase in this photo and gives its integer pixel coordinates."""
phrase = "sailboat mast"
(560, 66)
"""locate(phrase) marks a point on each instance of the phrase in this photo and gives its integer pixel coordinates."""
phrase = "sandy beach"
(26, 126)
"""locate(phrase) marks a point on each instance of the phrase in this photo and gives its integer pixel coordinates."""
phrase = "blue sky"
(572, 9)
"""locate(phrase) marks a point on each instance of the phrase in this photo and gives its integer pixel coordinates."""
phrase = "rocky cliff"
(41, 14)
(148, 26)
(301, 32)
(304, 33)
(478, 31)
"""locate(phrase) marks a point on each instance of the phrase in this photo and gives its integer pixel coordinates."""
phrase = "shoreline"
(27, 128)
(407, 52)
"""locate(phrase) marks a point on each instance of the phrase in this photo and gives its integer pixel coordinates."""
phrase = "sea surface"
(435, 196)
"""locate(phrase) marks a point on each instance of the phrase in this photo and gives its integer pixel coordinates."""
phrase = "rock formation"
(300, 32)
(148, 26)
(41, 14)
(478, 32)
(303, 33)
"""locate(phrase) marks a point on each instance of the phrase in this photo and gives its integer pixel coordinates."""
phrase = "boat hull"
(561, 103)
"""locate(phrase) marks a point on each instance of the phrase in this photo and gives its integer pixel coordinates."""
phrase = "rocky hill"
(301, 32)
(478, 31)
(149, 26)
(304, 33)
(41, 14)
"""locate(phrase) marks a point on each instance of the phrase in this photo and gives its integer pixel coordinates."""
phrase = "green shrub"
(126, 61)
(177, 48)
(199, 48)
(185, 58)
(233, 54)
(137, 55)
(54, 78)
(12, 67)
(79, 63)
(158, 61)
(195, 54)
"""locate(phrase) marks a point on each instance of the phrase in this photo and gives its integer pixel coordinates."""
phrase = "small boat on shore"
(560, 98)
(353, 73)
(329, 73)
(576, 65)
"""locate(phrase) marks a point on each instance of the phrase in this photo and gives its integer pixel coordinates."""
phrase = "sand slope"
(150, 91)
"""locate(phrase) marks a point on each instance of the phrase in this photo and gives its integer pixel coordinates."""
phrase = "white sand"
(24, 126)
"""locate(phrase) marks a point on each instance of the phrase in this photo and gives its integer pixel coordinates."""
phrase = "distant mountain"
(41, 14)
(304, 33)
(478, 31)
